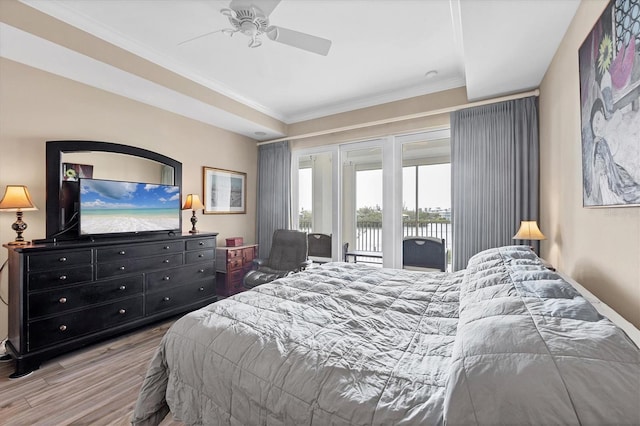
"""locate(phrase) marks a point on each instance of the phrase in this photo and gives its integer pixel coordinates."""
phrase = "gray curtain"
(274, 189)
(494, 168)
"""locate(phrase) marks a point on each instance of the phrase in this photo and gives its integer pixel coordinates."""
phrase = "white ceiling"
(381, 50)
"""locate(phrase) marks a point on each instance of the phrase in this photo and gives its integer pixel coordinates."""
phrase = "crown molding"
(84, 23)
(378, 99)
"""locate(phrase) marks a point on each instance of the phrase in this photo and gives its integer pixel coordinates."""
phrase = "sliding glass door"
(315, 201)
(372, 194)
(362, 199)
(426, 187)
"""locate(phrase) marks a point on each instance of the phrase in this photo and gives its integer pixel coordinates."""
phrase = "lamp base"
(19, 243)
(19, 226)
(194, 219)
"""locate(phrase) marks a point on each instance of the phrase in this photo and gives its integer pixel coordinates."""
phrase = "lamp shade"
(17, 198)
(529, 231)
(193, 202)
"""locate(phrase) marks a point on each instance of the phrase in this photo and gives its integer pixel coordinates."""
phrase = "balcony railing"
(369, 234)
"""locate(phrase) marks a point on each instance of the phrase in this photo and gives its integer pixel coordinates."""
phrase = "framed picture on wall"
(609, 66)
(225, 191)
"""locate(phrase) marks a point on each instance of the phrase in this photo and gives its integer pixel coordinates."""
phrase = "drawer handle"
(62, 259)
(201, 289)
(166, 298)
(63, 300)
(62, 328)
(201, 255)
(63, 277)
(121, 268)
(122, 252)
(200, 271)
(122, 312)
(167, 247)
(166, 278)
(201, 243)
(165, 261)
(123, 287)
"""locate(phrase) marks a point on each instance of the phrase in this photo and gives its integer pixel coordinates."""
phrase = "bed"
(505, 341)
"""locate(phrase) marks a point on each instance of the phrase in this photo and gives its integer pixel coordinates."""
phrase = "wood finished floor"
(97, 385)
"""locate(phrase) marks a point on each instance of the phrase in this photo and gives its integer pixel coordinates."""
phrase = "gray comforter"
(505, 341)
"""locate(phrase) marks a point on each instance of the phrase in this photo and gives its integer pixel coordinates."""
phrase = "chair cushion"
(262, 275)
(288, 250)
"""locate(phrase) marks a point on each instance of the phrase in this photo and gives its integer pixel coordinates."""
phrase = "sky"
(434, 182)
(108, 194)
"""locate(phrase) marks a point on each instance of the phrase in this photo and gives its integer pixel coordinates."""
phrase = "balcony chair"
(288, 255)
(319, 247)
(424, 252)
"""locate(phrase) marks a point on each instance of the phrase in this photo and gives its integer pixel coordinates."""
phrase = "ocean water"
(103, 221)
(130, 212)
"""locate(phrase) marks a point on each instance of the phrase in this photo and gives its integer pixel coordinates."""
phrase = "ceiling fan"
(247, 18)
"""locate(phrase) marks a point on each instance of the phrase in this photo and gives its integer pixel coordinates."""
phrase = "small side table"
(361, 253)
(232, 263)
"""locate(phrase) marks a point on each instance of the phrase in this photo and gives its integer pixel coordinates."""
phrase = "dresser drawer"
(128, 266)
(236, 287)
(200, 256)
(248, 254)
(59, 259)
(68, 298)
(137, 250)
(233, 264)
(74, 324)
(170, 278)
(178, 296)
(236, 277)
(55, 278)
(230, 283)
(234, 254)
(201, 243)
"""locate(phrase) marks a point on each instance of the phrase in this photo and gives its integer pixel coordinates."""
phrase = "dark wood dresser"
(232, 263)
(67, 295)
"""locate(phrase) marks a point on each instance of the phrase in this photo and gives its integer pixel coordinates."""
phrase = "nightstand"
(232, 263)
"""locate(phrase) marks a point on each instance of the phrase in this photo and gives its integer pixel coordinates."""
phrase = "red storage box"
(234, 241)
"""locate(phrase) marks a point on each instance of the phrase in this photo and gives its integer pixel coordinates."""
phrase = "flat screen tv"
(114, 207)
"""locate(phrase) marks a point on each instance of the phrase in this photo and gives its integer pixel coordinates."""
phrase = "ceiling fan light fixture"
(229, 13)
(254, 42)
(249, 29)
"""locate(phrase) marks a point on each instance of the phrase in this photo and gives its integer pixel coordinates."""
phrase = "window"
(426, 189)
(371, 194)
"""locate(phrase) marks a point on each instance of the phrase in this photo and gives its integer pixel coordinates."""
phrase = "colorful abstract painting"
(609, 64)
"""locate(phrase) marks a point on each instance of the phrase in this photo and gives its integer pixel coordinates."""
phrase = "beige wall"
(36, 106)
(598, 247)
(405, 116)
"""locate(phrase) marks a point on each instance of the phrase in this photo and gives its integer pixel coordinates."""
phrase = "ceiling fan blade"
(300, 40)
(266, 6)
(200, 36)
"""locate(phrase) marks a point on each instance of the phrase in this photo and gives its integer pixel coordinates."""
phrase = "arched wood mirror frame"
(54, 153)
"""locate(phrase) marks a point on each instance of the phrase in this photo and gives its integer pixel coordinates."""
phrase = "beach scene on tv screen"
(111, 207)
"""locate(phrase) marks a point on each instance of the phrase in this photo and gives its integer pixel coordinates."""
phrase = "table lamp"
(193, 203)
(529, 231)
(17, 199)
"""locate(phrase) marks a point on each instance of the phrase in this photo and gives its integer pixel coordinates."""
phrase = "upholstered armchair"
(289, 254)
